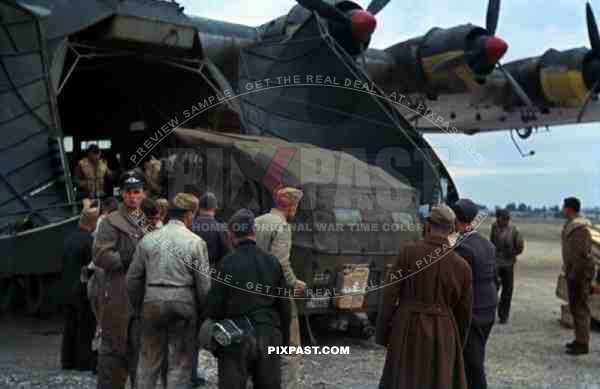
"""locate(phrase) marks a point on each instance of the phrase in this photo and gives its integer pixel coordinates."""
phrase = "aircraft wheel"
(8, 290)
(34, 293)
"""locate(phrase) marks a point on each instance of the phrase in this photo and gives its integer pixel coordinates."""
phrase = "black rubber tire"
(8, 291)
(34, 293)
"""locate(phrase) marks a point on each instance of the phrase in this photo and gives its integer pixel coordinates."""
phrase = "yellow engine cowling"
(561, 77)
(565, 88)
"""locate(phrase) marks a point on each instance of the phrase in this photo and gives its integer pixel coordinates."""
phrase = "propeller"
(360, 23)
(592, 29)
(376, 6)
(594, 36)
(492, 16)
(324, 10)
(483, 51)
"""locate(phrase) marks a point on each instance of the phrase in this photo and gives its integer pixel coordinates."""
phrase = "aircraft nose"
(363, 25)
(495, 49)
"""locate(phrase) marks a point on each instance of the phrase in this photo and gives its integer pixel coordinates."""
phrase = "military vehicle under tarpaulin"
(352, 219)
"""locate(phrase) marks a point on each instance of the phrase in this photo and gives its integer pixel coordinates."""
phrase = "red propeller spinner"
(363, 25)
(495, 49)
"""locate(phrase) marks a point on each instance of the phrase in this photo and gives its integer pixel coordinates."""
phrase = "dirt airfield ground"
(526, 353)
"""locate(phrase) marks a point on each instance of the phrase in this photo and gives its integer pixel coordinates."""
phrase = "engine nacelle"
(417, 59)
(557, 78)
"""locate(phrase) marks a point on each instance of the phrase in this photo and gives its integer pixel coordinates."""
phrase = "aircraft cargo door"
(31, 155)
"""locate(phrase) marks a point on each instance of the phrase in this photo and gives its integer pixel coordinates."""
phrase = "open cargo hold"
(63, 73)
(352, 214)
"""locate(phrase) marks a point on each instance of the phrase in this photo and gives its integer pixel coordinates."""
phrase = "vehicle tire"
(34, 293)
(8, 290)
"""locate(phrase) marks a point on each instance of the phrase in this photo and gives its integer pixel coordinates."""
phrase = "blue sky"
(567, 158)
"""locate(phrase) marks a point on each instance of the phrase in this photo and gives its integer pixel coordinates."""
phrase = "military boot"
(579, 349)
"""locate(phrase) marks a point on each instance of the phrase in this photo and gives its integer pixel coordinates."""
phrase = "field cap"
(286, 197)
(441, 215)
(208, 201)
(184, 202)
(241, 223)
(466, 210)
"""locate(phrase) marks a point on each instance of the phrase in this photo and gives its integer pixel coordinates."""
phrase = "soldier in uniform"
(168, 290)
(91, 174)
(269, 314)
(211, 230)
(215, 235)
(80, 324)
(151, 214)
(114, 245)
(152, 176)
(509, 243)
(274, 236)
(480, 254)
(578, 267)
(426, 311)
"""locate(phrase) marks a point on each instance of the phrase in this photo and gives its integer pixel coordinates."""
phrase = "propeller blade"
(324, 9)
(376, 6)
(493, 13)
(588, 98)
(592, 29)
(450, 63)
(517, 88)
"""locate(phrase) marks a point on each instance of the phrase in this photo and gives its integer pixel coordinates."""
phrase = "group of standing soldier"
(150, 303)
(439, 305)
(441, 300)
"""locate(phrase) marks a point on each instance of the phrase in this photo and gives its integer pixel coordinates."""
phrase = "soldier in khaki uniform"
(91, 174)
(578, 266)
(113, 249)
(152, 172)
(168, 291)
(274, 236)
(509, 244)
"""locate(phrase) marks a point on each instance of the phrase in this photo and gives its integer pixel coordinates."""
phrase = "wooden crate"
(562, 293)
(352, 280)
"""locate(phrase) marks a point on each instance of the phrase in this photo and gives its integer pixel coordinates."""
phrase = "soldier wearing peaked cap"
(480, 254)
(114, 245)
(274, 235)
(426, 311)
(168, 290)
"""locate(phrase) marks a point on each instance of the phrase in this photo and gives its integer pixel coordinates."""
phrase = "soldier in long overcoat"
(113, 250)
(578, 266)
(426, 312)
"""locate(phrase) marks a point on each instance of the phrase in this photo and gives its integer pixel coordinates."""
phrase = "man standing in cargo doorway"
(115, 243)
(578, 266)
(274, 235)
(91, 174)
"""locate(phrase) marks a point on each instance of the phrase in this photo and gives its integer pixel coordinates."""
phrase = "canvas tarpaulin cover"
(338, 188)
